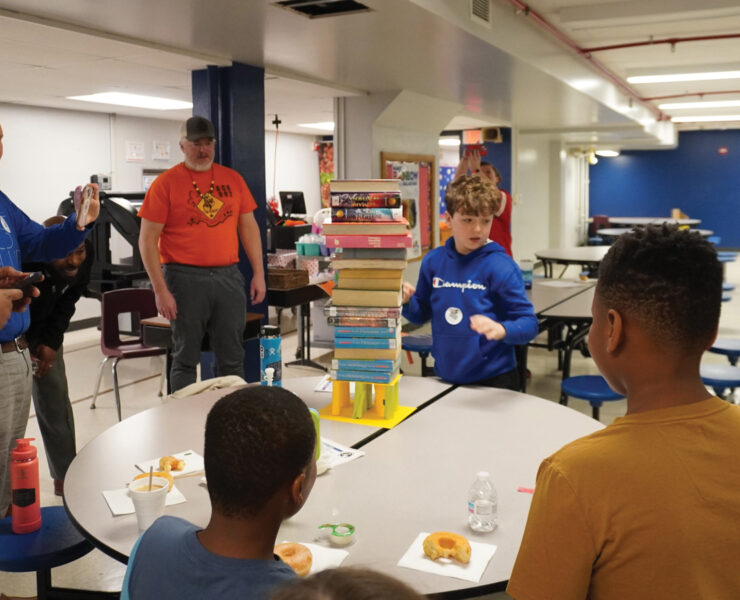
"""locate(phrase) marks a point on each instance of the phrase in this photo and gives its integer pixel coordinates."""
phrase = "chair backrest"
(137, 301)
(598, 222)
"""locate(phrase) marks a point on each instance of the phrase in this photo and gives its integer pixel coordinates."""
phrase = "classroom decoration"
(369, 238)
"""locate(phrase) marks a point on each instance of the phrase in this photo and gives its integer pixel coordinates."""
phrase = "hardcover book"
(387, 365)
(366, 228)
(367, 263)
(368, 353)
(371, 332)
(367, 342)
(349, 215)
(351, 297)
(363, 322)
(371, 283)
(365, 253)
(364, 376)
(331, 310)
(365, 199)
(369, 241)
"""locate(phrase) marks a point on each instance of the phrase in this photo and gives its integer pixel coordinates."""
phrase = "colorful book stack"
(369, 237)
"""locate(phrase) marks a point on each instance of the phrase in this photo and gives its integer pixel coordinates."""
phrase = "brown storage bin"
(286, 279)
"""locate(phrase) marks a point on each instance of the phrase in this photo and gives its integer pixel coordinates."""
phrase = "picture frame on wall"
(416, 173)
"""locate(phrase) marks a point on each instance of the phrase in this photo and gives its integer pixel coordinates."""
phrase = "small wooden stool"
(56, 543)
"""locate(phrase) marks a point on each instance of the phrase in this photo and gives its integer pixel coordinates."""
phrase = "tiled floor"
(140, 383)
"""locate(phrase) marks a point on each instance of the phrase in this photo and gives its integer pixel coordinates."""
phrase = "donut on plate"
(443, 544)
(296, 556)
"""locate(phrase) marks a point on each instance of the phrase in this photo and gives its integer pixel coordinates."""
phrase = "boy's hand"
(474, 161)
(493, 330)
(408, 291)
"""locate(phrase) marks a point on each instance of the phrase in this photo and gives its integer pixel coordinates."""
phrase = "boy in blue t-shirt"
(473, 293)
(259, 462)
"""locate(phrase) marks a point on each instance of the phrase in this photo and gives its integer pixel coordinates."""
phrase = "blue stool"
(726, 297)
(714, 239)
(588, 387)
(55, 544)
(421, 343)
(720, 377)
(727, 346)
(727, 287)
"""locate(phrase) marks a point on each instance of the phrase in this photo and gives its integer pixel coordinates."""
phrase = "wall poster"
(416, 173)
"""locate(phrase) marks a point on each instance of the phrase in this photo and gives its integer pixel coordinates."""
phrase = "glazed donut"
(296, 556)
(165, 474)
(170, 463)
(443, 544)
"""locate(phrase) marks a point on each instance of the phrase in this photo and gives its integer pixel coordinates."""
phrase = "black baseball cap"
(197, 128)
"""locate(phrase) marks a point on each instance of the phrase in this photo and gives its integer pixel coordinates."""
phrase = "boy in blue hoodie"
(473, 293)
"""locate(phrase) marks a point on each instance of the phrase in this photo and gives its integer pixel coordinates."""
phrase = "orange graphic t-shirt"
(200, 226)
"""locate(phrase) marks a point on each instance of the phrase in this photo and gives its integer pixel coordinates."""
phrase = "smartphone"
(482, 150)
(25, 284)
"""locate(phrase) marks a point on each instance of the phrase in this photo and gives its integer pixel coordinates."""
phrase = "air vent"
(480, 11)
(314, 9)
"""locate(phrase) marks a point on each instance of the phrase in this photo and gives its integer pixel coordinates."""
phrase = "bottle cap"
(24, 450)
(269, 331)
(483, 475)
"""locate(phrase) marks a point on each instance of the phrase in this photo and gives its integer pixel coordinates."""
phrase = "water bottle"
(24, 487)
(482, 504)
(270, 355)
(526, 267)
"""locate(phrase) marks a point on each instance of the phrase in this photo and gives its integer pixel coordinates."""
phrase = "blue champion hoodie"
(453, 287)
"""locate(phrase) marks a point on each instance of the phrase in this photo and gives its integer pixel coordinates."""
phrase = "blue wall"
(499, 155)
(694, 177)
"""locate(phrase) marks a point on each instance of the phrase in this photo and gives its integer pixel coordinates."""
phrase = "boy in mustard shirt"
(648, 507)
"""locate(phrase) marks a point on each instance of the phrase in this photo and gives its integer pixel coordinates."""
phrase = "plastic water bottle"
(270, 355)
(527, 266)
(482, 504)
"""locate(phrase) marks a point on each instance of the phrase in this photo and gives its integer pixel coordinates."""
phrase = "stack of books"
(369, 237)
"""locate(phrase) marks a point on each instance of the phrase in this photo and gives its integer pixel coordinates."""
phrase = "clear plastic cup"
(148, 504)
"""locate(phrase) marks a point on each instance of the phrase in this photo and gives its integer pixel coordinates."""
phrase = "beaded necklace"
(208, 196)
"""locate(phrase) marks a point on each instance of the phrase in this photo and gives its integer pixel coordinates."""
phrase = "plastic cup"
(148, 504)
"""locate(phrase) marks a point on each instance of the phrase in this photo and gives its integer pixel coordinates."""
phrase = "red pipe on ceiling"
(671, 41)
(687, 94)
(565, 39)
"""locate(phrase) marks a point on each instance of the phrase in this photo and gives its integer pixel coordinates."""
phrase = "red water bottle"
(24, 487)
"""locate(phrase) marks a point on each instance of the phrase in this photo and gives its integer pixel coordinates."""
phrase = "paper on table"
(333, 453)
(120, 502)
(193, 464)
(325, 385)
(324, 558)
(480, 556)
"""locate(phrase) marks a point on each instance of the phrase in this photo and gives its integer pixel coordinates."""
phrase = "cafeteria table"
(413, 478)
(615, 232)
(588, 257)
(643, 221)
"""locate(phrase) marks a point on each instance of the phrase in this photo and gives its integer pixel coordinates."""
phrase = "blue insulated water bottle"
(270, 356)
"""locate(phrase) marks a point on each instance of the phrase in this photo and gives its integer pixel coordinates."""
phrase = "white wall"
(297, 167)
(530, 218)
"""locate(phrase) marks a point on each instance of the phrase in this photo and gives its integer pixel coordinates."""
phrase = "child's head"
(491, 172)
(665, 283)
(471, 203)
(346, 582)
(259, 441)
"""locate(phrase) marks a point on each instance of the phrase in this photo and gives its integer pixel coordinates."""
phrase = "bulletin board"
(416, 173)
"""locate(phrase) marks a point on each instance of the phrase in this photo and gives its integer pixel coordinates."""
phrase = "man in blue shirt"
(22, 239)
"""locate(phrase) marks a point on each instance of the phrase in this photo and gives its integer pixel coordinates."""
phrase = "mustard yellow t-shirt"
(647, 508)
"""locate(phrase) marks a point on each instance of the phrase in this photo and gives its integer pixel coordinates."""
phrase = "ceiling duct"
(480, 12)
(314, 9)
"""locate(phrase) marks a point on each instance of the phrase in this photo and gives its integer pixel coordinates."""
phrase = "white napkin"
(324, 558)
(480, 556)
(193, 464)
(120, 502)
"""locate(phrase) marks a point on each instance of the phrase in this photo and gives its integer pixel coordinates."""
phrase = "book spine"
(348, 364)
(365, 376)
(369, 332)
(363, 322)
(365, 199)
(354, 215)
(390, 312)
(367, 342)
(369, 241)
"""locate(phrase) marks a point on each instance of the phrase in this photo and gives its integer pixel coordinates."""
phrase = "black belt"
(19, 344)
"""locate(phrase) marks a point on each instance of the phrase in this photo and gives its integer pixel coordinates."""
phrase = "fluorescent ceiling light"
(607, 153)
(705, 118)
(449, 141)
(711, 104)
(684, 77)
(135, 100)
(323, 126)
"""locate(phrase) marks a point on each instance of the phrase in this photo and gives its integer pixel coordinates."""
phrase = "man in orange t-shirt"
(191, 221)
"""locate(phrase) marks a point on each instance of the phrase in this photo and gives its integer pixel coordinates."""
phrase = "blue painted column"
(233, 98)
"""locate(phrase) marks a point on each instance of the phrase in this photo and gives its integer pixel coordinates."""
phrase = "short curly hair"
(472, 195)
(257, 439)
(669, 280)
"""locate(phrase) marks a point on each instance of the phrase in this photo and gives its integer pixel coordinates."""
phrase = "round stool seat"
(589, 387)
(727, 287)
(728, 346)
(55, 544)
(726, 297)
(725, 258)
(720, 376)
(421, 342)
